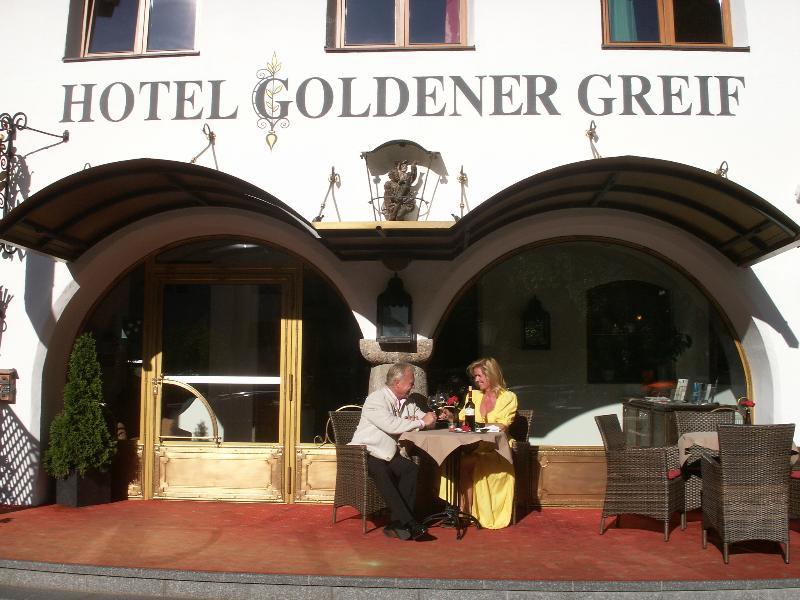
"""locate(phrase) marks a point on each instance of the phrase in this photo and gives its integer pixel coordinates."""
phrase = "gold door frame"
(290, 281)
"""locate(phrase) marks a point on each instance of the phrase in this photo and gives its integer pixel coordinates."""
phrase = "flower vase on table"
(745, 407)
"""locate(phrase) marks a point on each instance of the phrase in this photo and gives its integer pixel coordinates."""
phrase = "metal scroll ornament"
(271, 111)
(9, 125)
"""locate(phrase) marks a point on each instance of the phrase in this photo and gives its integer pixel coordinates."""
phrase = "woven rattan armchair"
(640, 481)
(520, 432)
(746, 490)
(686, 422)
(354, 485)
(794, 495)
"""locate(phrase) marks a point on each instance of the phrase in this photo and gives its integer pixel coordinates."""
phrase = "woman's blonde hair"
(491, 368)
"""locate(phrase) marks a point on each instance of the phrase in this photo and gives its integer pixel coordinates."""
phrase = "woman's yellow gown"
(493, 477)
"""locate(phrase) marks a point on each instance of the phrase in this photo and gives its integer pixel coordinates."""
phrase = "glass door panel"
(186, 414)
(224, 340)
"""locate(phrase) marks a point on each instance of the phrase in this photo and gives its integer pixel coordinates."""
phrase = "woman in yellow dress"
(486, 478)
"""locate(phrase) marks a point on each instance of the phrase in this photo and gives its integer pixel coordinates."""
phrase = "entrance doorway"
(219, 402)
(221, 359)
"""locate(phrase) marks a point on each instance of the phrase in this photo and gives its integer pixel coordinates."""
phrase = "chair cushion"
(795, 474)
(673, 473)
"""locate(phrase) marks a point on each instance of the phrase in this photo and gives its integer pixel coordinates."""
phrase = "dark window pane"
(171, 25)
(225, 330)
(329, 330)
(630, 333)
(633, 20)
(369, 22)
(113, 25)
(434, 21)
(698, 21)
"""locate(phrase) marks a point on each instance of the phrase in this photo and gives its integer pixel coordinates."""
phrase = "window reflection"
(633, 20)
(666, 21)
(172, 25)
(114, 25)
(369, 22)
(125, 25)
(434, 21)
(590, 288)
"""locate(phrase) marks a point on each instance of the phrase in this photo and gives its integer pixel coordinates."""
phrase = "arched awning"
(730, 218)
(68, 217)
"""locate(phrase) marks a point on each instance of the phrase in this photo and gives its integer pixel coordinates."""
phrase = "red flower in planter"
(452, 401)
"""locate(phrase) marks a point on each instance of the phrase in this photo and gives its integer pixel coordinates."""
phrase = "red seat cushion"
(795, 474)
(673, 473)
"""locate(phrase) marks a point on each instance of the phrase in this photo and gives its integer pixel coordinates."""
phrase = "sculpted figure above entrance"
(398, 196)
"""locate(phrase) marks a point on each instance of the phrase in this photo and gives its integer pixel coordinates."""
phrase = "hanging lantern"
(535, 326)
(394, 314)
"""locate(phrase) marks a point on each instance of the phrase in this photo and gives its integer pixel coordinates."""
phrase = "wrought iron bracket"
(10, 125)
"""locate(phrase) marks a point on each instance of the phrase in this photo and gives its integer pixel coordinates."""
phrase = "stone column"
(381, 359)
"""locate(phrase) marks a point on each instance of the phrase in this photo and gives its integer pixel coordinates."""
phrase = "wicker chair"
(794, 495)
(687, 422)
(746, 490)
(640, 481)
(520, 432)
(354, 485)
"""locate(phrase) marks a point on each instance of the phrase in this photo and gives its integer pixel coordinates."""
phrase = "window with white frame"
(681, 23)
(388, 24)
(136, 27)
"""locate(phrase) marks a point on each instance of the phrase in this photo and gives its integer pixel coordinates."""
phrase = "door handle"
(157, 381)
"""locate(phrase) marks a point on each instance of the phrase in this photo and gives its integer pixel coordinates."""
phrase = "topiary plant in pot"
(81, 445)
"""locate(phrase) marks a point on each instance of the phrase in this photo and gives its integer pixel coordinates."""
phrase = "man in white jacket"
(386, 414)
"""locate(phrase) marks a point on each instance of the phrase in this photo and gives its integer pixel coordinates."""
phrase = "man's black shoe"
(396, 530)
(417, 530)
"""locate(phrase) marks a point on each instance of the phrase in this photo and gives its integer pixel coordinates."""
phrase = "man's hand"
(429, 419)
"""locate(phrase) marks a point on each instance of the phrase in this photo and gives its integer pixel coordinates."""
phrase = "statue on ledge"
(398, 200)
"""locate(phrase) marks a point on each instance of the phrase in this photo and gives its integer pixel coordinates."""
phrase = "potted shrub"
(81, 445)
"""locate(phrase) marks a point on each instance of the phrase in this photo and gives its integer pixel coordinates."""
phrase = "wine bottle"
(469, 411)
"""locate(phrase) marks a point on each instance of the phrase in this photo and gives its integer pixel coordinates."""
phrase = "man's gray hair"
(396, 372)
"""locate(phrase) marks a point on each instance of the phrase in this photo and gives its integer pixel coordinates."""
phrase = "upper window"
(400, 23)
(667, 22)
(139, 26)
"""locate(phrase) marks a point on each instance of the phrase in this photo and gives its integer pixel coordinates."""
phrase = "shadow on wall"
(19, 459)
(766, 310)
(39, 279)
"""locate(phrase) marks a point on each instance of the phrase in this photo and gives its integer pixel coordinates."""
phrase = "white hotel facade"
(606, 200)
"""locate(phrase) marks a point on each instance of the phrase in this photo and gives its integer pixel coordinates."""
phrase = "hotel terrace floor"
(226, 550)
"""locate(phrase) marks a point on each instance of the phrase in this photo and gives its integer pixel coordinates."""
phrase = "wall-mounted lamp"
(8, 385)
(394, 314)
(535, 326)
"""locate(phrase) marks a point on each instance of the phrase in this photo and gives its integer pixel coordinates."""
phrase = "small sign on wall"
(8, 385)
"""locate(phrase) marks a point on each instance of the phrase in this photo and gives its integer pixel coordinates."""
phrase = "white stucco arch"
(736, 291)
(98, 268)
